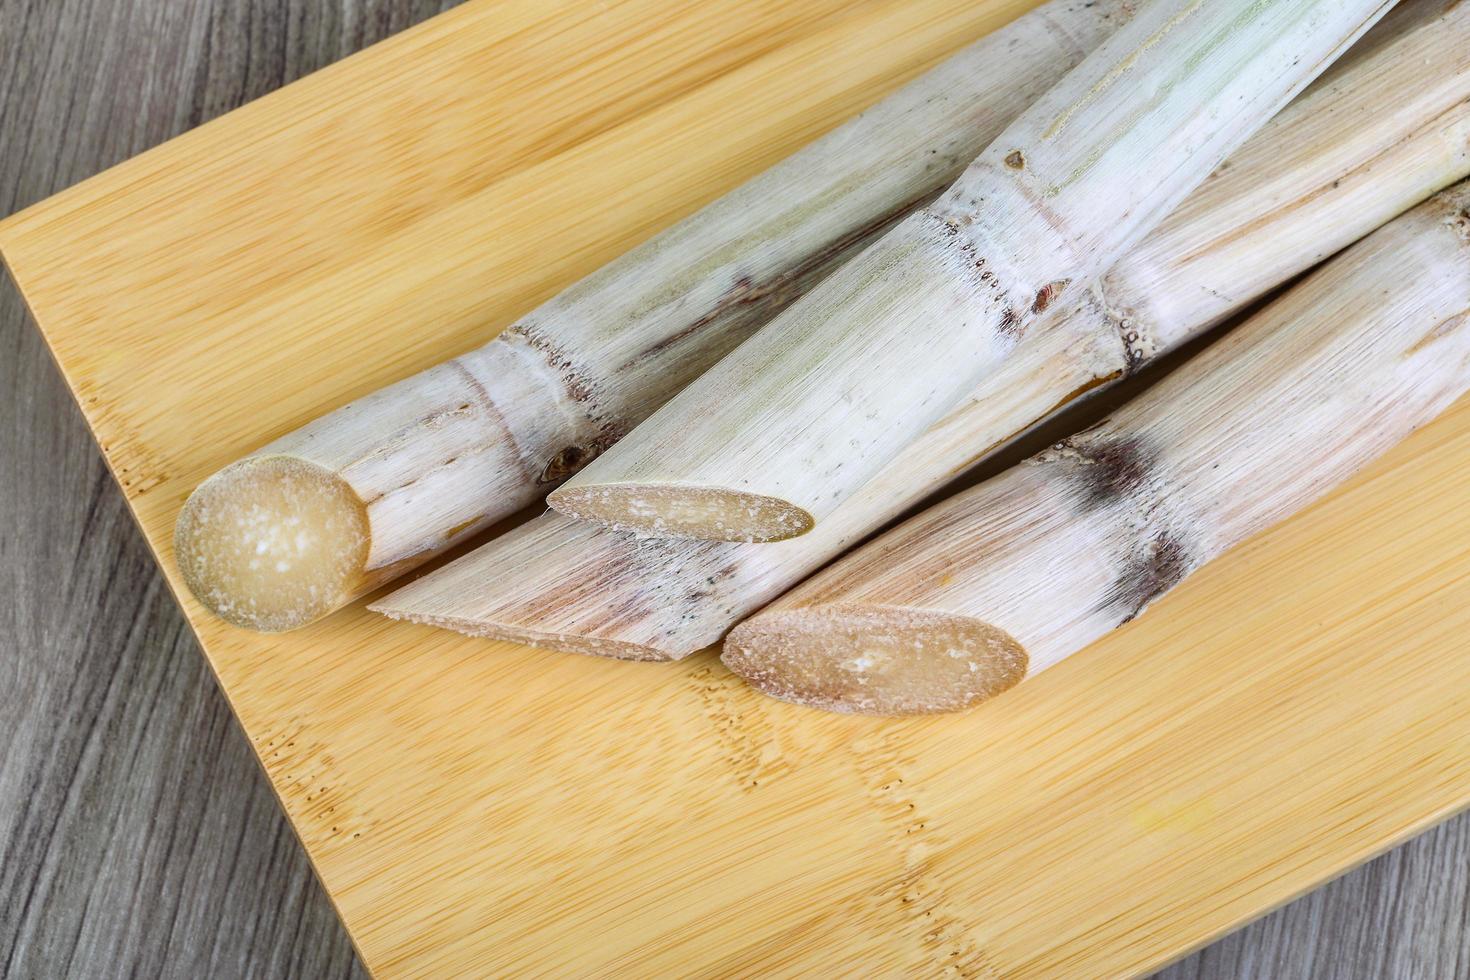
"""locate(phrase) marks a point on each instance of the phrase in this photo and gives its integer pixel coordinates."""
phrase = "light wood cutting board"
(477, 808)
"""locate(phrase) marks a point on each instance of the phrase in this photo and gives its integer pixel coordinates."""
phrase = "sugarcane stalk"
(1010, 578)
(1386, 128)
(341, 506)
(777, 435)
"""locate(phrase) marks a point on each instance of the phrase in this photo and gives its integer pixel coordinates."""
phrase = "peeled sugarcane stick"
(1008, 579)
(1386, 128)
(350, 501)
(773, 438)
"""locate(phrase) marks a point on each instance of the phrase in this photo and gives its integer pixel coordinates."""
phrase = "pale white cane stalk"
(377, 487)
(1008, 579)
(777, 435)
(1384, 129)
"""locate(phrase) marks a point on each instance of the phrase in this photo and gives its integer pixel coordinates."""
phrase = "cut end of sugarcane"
(875, 660)
(674, 511)
(586, 645)
(272, 543)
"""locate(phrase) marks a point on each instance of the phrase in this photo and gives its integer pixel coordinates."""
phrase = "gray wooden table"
(137, 835)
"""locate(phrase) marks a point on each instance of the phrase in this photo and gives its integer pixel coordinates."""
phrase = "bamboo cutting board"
(477, 809)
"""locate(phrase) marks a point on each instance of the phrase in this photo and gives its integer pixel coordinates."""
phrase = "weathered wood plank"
(138, 836)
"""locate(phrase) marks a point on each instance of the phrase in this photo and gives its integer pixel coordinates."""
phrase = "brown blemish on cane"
(1441, 330)
(1161, 564)
(612, 432)
(1016, 160)
(1127, 325)
(1109, 470)
(1460, 222)
(566, 462)
(1014, 320)
(1047, 294)
(1137, 349)
(575, 382)
(573, 379)
(1011, 324)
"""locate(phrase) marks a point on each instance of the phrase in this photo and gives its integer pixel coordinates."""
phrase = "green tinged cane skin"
(776, 436)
